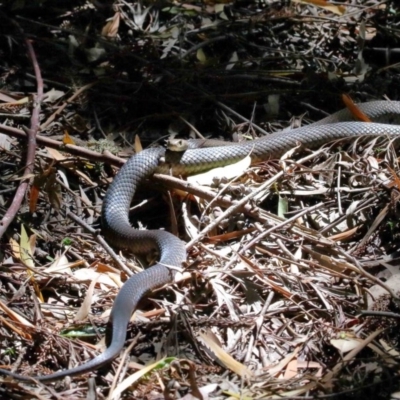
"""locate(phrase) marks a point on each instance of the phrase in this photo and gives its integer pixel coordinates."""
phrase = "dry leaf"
(47, 181)
(5, 142)
(355, 111)
(53, 95)
(225, 358)
(84, 309)
(201, 56)
(24, 100)
(86, 201)
(339, 10)
(344, 235)
(33, 198)
(61, 264)
(15, 249)
(26, 248)
(15, 316)
(53, 153)
(128, 382)
(277, 369)
(67, 139)
(396, 179)
(346, 344)
(230, 235)
(291, 370)
(110, 279)
(138, 145)
(110, 30)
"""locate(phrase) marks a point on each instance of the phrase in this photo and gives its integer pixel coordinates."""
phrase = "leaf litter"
(284, 257)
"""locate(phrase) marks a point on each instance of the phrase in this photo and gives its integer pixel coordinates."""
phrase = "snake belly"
(115, 211)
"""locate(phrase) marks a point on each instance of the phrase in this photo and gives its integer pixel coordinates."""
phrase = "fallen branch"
(30, 157)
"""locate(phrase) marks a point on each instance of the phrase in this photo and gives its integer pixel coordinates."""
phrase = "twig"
(206, 43)
(285, 223)
(124, 357)
(233, 209)
(251, 211)
(70, 148)
(99, 239)
(62, 107)
(30, 157)
(382, 314)
(371, 277)
(239, 116)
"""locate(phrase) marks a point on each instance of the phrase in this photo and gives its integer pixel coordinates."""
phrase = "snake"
(172, 253)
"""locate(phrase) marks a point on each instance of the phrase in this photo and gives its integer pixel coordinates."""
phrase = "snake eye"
(177, 145)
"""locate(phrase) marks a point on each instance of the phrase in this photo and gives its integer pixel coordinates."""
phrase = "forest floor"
(293, 294)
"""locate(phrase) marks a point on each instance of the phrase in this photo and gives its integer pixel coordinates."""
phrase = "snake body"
(115, 211)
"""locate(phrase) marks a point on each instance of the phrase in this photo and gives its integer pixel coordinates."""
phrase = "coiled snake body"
(119, 232)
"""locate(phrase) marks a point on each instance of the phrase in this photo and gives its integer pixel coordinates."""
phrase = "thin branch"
(99, 239)
(70, 148)
(31, 135)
